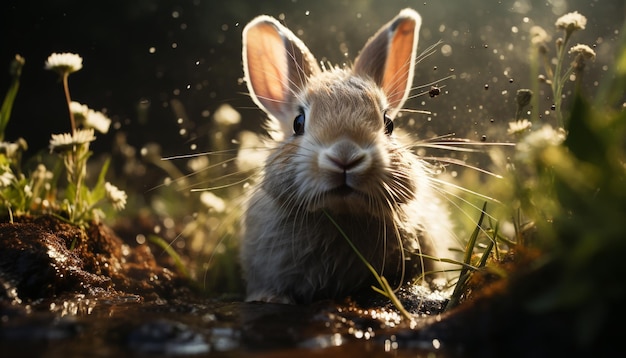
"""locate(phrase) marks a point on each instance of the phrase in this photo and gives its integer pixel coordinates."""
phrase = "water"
(184, 328)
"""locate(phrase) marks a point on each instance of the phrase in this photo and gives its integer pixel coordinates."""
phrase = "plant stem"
(557, 80)
(534, 71)
(465, 273)
(68, 99)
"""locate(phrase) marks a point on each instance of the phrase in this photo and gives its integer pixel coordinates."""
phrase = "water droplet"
(486, 86)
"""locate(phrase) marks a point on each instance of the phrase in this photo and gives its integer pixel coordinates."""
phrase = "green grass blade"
(178, 262)
(385, 288)
(9, 98)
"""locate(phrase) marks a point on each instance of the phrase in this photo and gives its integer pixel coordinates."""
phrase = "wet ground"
(65, 292)
(88, 327)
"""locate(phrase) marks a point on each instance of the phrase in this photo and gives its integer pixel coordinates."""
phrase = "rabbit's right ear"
(389, 57)
(276, 66)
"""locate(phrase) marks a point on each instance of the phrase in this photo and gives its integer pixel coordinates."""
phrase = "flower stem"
(557, 80)
(68, 99)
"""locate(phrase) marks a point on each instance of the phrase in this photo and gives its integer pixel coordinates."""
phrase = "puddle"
(124, 327)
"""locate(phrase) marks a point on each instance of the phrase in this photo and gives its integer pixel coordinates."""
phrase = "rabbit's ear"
(389, 57)
(276, 66)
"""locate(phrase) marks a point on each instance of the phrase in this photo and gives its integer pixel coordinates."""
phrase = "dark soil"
(71, 292)
(44, 257)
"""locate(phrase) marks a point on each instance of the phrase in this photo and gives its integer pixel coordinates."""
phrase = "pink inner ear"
(267, 65)
(398, 67)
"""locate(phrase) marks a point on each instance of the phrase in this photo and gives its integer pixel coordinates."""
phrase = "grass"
(41, 191)
(385, 288)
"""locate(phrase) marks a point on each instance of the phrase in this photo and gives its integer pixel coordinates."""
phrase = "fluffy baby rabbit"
(338, 158)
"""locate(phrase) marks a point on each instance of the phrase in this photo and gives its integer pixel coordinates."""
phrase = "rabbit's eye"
(388, 125)
(298, 123)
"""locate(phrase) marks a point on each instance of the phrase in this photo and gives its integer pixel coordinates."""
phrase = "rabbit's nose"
(346, 155)
(347, 163)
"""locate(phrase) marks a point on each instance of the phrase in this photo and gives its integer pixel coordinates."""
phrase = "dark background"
(197, 59)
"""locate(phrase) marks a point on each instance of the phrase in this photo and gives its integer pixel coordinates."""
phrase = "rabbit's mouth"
(342, 191)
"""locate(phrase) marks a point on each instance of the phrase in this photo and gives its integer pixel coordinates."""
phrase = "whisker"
(217, 187)
(469, 191)
(432, 83)
(420, 111)
(202, 154)
(463, 164)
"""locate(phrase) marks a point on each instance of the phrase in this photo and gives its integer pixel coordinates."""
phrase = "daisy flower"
(571, 22)
(116, 196)
(67, 141)
(64, 62)
(89, 118)
(519, 126)
(7, 177)
(212, 201)
(9, 149)
(584, 50)
(98, 121)
(80, 111)
(226, 115)
(538, 36)
(535, 142)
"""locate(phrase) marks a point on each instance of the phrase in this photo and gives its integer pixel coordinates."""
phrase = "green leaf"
(581, 140)
(9, 98)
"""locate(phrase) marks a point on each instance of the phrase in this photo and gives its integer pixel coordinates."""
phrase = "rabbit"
(337, 158)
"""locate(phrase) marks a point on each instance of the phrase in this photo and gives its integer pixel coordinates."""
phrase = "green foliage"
(9, 98)
(38, 190)
(575, 192)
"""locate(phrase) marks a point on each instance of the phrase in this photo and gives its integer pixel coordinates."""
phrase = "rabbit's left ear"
(277, 66)
(389, 58)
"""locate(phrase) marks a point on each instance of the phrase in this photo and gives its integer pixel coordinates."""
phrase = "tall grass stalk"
(385, 288)
(467, 258)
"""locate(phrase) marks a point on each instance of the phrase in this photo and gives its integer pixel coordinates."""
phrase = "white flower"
(116, 196)
(98, 121)
(64, 62)
(519, 126)
(79, 110)
(212, 201)
(535, 142)
(7, 177)
(197, 164)
(28, 191)
(9, 149)
(538, 36)
(67, 141)
(226, 115)
(571, 21)
(251, 155)
(41, 173)
(583, 50)
(89, 118)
